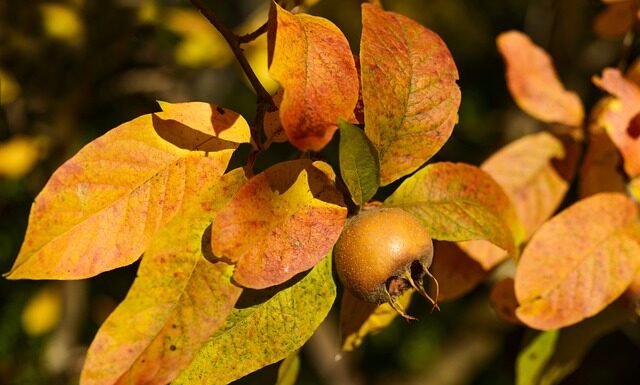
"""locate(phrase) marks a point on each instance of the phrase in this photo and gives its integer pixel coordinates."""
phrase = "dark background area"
(71, 70)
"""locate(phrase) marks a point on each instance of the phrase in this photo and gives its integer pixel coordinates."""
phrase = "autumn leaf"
(43, 311)
(264, 329)
(282, 222)
(578, 262)
(524, 170)
(19, 155)
(616, 19)
(288, 370)
(273, 130)
(359, 319)
(534, 84)
(101, 208)
(503, 300)
(311, 59)
(177, 301)
(456, 272)
(359, 166)
(600, 169)
(621, 117)
(409, 89)
(459, 202)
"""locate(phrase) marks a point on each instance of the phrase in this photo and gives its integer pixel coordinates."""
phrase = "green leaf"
(288, 370)
(358, 163)
(574, 342)
(460, 202)
(262, 331)
(533, 357)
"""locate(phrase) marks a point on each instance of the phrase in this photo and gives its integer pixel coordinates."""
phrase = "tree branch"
(249, 37)
(234, 44)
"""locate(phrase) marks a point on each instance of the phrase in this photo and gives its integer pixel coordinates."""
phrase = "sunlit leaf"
(358, 163)
(201, 44)
(43, 311)
(264, 329)
(282, 222)
(523, 169)
(533, 358)
(456, 272)
(534, 84)
(621, 117)
(273, 130)
(176, 303)
(311, 59)
(578, 262)
(288, 370)
(409, 88)
(359, 319)
(19, 155)
(9, 88)
(62, 22)
(102, 207)
(459, 202)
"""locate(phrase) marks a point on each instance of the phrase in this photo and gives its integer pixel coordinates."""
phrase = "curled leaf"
(621, 117)
(578, 262)
(456, 272)
(311, 59)
(358, 163)
(534, 84)
(282, 222)
(409, 90)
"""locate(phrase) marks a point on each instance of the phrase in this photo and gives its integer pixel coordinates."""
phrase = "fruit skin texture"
(377, 248)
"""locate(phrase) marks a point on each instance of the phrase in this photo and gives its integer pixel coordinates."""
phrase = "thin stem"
(249, 37)
(234, 44)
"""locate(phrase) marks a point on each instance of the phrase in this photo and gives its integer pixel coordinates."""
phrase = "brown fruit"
(381, 253)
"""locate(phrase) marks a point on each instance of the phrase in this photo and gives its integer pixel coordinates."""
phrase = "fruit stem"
(420, 289)
(397, 307)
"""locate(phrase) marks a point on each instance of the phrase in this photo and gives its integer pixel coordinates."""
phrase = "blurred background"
(70, 70)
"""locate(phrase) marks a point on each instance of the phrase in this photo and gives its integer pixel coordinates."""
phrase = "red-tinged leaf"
(457, 274)
(264, 328)
(409, 90)
(102, 207)
(282, 222)
(523, 168)
(273, 130)
(534, 84)
(578, 262)
(311, 59)
(460, 202)
(620, 117)
(600, 169)
(503, 300)
(359, 319)
(176, 303)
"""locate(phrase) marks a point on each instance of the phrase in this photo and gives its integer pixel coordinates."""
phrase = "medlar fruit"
(381, 253)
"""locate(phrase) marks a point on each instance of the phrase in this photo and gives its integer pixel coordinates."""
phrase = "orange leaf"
(311, 59)
(616, 19)
(621, 117)
(504, 302)
(176, 303)
(102, 207)
(578, 262)
(599, 171)
(409, 89)
(457, 274)
(523, 169)
(282, 222)
(534, 84)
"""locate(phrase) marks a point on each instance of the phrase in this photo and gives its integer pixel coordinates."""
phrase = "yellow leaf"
(43, 311)
(62, 22)
(18, 155)
(9, 88)
(201, 44)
